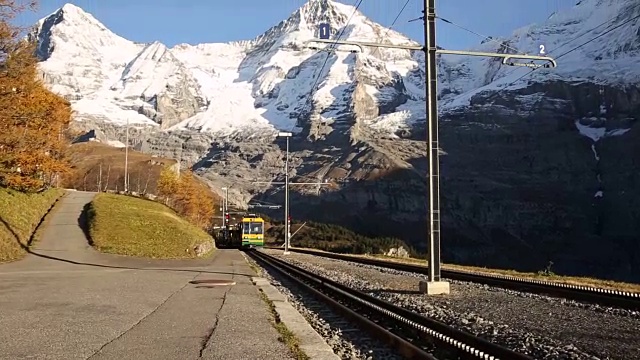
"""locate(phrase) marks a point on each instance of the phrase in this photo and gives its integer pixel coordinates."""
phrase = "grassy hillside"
(20, 214)
(126, 225)
(332, 238)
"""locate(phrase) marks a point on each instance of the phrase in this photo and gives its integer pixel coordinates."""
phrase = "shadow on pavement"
(83, 222)
(49, 257)
(15, 235)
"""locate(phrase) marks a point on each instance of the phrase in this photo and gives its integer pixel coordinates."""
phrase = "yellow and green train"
(247, 233)
(252, 228)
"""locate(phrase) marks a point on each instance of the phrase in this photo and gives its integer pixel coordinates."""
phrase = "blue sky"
(196, 21)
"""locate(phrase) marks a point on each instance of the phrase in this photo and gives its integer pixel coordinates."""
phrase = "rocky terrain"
(540, 326)
(545, 165)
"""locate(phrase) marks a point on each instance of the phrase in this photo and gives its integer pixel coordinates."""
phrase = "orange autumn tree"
(193, 201)
(167, 185)
(187, 196)
(33, 120)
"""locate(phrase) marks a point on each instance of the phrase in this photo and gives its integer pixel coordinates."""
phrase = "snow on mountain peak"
(72, 23)
(329, 12)
(586, 42)
(79, 52)
(71, 12)
(277, 81)
(303, 24)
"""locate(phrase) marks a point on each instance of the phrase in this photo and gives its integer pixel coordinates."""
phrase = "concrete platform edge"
(311, 343)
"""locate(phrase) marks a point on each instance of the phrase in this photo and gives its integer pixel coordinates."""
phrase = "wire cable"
(609, 30)
(548, 52)
(396, 19)
(344, 28)
(484, 37)
(378, 50)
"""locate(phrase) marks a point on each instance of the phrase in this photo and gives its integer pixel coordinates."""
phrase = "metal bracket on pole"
(505, 57)
(306, 44)
(251, 206)
(435, 285)
(551, 63)
(362, 44)
(295, 232)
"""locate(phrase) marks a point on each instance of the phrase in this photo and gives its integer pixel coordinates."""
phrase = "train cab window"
(252, 228)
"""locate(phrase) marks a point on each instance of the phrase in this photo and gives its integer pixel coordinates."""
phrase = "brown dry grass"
(87, 159)
(573, 280)
(144, 169)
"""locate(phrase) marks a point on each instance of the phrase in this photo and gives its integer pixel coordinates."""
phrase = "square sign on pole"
(325, 31)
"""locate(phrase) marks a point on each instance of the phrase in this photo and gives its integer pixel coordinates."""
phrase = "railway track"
(613, 298)
(412, 335)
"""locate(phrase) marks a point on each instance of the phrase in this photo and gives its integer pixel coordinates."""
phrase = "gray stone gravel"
(541, 326)
(348, 342)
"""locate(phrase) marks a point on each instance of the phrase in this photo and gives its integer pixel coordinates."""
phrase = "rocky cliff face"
(542, 164)
(525, 177)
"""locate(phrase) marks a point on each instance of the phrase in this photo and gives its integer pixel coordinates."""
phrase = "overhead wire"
(609, 30)
(550, 51)
(396, 18)
(377, 50)
(475, 33)
(333, 45)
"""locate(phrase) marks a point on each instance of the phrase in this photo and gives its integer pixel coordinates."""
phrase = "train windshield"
(252, 228)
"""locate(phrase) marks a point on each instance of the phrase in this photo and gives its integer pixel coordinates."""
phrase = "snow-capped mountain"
(264, 83)
(273, 81)
(518, 171)
(582, 39)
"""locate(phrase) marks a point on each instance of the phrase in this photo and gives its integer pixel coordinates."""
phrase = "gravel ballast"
(347, 341)
(541, 326)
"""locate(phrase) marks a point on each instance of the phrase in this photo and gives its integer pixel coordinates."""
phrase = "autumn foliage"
(187, 196)
(33, 120)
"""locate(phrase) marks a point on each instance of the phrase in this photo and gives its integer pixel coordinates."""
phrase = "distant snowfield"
(263, 84)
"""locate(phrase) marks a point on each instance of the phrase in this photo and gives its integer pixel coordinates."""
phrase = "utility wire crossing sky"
(205, 21)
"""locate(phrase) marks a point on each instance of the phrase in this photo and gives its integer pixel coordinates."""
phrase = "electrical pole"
(226, 200)
(286, 183)
(225, 204)
(433, 157)
(287, 225)
(126, 160)
(286, 135)
(287, 231)
(435, 285)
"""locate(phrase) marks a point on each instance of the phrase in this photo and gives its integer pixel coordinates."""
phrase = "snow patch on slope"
(604, 58)
(597, 133)
(84, 55)
(94, 107)
(148, 74)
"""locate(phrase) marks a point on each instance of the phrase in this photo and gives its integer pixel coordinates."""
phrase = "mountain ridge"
(525, 164)
(268, 56)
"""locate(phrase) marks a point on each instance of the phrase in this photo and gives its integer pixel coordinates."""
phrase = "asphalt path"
(67, 301)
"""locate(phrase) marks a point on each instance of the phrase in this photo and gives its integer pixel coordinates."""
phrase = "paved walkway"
(68, 301)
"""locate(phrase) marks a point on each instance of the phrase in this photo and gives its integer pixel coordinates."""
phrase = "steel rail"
(464, 344)
(600, 296)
